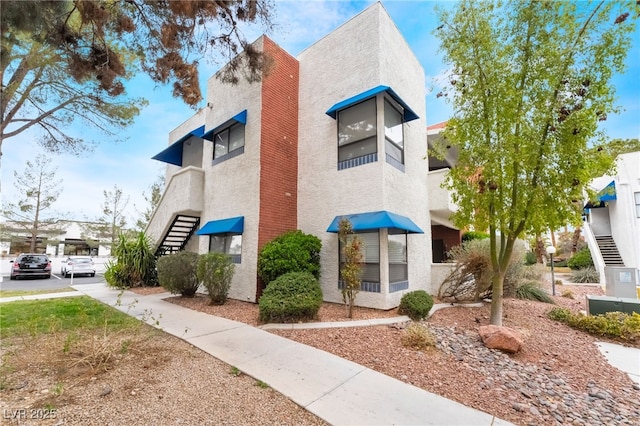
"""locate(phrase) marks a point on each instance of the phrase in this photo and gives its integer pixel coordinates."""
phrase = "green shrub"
(612, 324)
(560, 314)
(418, 336)
(580, 260)
(474, 235)
(292, 297)
(135, 263)
(530, 290)
(293, 251)
(416, 304)
(530, 258)
(215, 271)
(177, 273)
(585, 275)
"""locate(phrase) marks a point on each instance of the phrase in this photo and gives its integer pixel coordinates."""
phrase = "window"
(637, 195)
(228, 142)
(398, 258)
(357, 131)
(230, 244)
(394, 141)
(371, 261)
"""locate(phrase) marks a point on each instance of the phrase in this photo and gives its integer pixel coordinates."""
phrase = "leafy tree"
(351, 264)
(39, 190)
(529, 82)
(67, 60)
(153, 199)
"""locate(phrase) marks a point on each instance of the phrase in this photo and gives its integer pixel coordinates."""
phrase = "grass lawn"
(33, 317)
(12, 293)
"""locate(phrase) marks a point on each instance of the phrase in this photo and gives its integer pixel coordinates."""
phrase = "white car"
(78, 265)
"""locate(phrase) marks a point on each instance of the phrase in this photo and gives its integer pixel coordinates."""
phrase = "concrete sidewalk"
(337, 390)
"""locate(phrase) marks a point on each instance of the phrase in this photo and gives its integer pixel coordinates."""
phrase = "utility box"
(599, 305)
(621, 282)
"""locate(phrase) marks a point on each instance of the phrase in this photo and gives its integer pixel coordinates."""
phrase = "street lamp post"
(550, 251)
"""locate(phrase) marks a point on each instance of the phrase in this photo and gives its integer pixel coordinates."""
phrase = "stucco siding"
(625, 225)
(352, 60)
(231, 187)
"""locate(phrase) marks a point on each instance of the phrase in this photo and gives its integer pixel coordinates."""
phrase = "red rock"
(503, 338)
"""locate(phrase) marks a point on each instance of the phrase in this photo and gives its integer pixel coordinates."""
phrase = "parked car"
(29, 265)
(79, 265)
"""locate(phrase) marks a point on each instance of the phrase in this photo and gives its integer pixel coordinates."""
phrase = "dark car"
(30, 265)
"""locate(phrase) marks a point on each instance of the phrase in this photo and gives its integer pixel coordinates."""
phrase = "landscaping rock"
(501, 338)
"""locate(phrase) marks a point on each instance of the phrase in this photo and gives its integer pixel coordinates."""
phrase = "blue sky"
(298, 24)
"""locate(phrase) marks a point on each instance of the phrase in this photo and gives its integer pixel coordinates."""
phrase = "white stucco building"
(612, 223)
(338, 131)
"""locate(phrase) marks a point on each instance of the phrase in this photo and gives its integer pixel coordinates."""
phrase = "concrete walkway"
(337, 390)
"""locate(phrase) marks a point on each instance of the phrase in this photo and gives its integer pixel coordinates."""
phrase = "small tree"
(39, 191)
(153, 199)
(113, 221)
(351, 264)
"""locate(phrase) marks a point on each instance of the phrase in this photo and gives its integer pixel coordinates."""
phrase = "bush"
(471, 277)
(474, 235)
(292, 297)
(580, 260)
(585, 275)
(416, 304)
(418, 336)
(215, 271)
(177, 273)
(293, 251)
(612, 324)
(530, 258)
(135, 263)
(530, 290)
(560, 314)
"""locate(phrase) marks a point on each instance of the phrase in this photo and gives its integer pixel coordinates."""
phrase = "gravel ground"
(559, 377)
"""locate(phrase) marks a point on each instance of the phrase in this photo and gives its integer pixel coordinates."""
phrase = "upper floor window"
(228, 142)
(393, 134)
(357, 135)
(637, 195)
(230, 244)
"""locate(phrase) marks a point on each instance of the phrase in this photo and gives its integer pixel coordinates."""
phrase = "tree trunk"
(496, 299)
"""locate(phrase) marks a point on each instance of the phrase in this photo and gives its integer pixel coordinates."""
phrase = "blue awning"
(608, 193)
(376, 220)
(408, 112)
(173, 153)
(233, 225)
(240, 117)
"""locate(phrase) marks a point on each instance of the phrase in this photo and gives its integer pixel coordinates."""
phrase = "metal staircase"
(609, 250)
(178, 234)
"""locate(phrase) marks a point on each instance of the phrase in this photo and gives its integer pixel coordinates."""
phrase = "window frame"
(370, 285)
(233, 153)
(405, 255)
(227, 241)
(388, 140)
(636, 196)
(373, 156)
